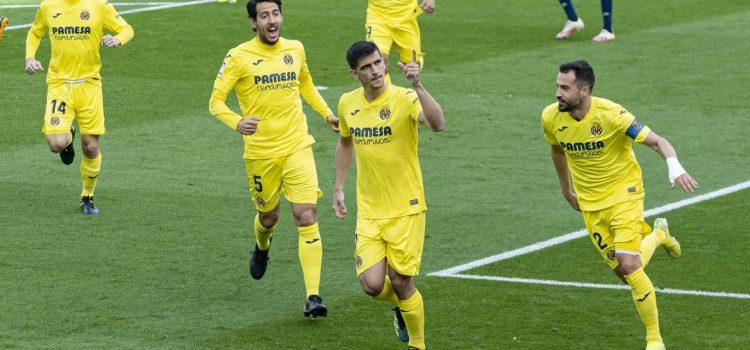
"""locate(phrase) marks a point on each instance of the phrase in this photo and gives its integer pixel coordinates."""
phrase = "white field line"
(144, 9)
(114, 4)
(598, 286)
(581, 233)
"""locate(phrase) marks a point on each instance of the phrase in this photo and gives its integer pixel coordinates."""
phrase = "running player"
(74, 88)
(380, 125)
(269, 73)
(591, 140)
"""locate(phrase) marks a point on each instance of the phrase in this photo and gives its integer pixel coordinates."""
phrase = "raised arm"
(344, 155)
(432, 114)
(563, 175)
(676, 172)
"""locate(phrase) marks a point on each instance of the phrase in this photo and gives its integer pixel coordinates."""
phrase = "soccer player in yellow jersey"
(591, 140)
(379, 123)
(74, 88)
(394, 23)
(269, 73)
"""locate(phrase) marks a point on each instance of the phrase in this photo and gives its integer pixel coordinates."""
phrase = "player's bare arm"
(432, 114)
(677, 173)
(344, 154)
(428, 6)
(563, 175)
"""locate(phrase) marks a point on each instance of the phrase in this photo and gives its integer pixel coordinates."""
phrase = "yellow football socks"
(649, 245)
(412, 310)
(262, 234)
(644, 298)
(387, 294)
(310, 257)
(89, 173)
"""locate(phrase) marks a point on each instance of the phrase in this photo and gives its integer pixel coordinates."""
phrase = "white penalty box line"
(151, 7)
(455, 272)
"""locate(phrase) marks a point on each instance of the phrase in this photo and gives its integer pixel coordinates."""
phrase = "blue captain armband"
(634, 129)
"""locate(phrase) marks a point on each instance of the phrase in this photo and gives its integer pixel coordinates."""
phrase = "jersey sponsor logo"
(385, 113)
(276, 81)
(57, 15)
(354, 112)
(85, 15)
(257, 62)
(71, 30)
(371, 136)
(596, 129)
(591, 149)
(288, 59)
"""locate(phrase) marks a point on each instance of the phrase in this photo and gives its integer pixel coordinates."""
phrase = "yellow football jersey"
(75, 30)
(392, 10)
(268, 80)
(385, 136)
(599, 152)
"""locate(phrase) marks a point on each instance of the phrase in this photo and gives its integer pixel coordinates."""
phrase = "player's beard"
(567, 106)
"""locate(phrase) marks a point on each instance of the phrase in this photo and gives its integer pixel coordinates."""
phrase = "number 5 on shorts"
(258, 185)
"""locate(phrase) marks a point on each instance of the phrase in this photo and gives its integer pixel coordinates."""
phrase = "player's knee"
(402, 284)
(91, 150)
(306, 217)
(56, 147)
(268, 219)
(627, 267)
(371, 287)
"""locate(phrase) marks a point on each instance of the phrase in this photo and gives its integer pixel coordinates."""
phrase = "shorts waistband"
(75, 82)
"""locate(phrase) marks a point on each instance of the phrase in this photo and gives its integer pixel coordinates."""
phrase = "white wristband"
(675, 168)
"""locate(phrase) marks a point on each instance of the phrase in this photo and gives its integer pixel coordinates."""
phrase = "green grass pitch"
(165, 265)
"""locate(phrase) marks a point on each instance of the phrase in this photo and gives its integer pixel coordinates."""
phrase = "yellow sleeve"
(228, 75)
(415, 107)
(117, 25)
(627, 124)
(548, 136)
(36, 33)
(310, 93)
(343, 126)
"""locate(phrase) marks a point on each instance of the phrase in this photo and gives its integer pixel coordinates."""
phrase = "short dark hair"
(252, 7)
(359, 50)
(583, 72)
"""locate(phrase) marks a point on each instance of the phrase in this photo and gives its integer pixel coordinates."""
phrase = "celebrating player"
(395, 22)
(575, 24)
(269, 73)
(591, 140)
(74, 88)
(379, 124)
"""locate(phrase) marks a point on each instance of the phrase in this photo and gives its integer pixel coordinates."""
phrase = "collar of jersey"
(594, 105)
(379, 98)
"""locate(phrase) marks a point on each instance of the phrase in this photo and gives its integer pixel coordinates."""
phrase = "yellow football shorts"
(405, 36)
(398, 240)
(618, 228)
(294, 175)
(71, 100)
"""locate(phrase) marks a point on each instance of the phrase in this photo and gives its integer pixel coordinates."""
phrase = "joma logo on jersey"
(582, 146)
(371, 132)
(275, 78)
(71, 30)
